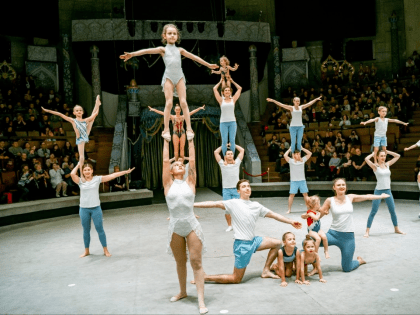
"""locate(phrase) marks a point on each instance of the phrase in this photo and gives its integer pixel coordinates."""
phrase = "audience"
(117, 184)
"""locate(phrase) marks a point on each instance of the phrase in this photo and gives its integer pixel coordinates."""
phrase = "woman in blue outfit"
(341, 232)
(227, 113)
(90, 205)
(296, 125)
(383, 185)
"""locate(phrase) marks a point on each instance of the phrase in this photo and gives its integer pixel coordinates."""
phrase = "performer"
(245, 214)
(173, 81)
(90, 205)
(230, 176)
(224, 70)
(297, 174)
(178, 136)
(184, 229)
(414, 146)
(82, 127)
(227, 116)
(309, 256)
(383, 186)
(381, 126)
(341, 232)
(296, 125)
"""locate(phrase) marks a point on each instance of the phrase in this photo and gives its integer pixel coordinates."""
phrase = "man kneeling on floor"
(245, 214)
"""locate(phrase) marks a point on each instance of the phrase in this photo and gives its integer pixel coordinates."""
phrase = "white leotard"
(173, 70)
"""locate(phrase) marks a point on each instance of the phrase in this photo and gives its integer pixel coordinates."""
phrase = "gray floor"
(40, 260)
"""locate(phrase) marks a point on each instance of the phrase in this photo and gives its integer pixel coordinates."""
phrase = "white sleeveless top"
(227, 111)
(342, 216)
(296, 117)
(383, 177)
(381, 127)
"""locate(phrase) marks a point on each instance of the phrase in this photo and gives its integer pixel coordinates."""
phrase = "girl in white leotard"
(184, 229)
(173, 79)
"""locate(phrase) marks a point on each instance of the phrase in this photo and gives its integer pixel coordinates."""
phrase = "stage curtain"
(206, 140)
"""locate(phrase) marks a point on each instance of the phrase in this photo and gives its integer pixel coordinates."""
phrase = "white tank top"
(227, 111)
(381, 127)
(342, 216)
(296, 117)
(383, 177)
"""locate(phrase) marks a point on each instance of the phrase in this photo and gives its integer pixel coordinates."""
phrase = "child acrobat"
(173, 81)
(288, 257)
(309, 256)
(82, 127)
(381, 126)
(224, 70)
(314, 225)
(178, 136)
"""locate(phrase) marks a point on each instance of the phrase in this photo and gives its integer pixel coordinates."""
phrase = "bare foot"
(398, 231)
(361, 261)
(178, 297)
(327, 255)
(288, 211)
(366, 235)
(86, 253)
(203, 310)
(106, 253)
(196, 216)
(269, 274)
(313, 272)
(167, 218)
(274, 267)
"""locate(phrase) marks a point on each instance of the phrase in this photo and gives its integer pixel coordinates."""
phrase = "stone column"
(96, 83)
(254, 97)
(395, 51)
(276, 54)
(67, 75)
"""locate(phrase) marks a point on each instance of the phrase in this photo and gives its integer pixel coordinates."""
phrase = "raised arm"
(238, 90)
(280, 218)
(233, 68)
(286, 155)
(112, 176)
(216, 71)
(397, 122)
(325, 209)
(166, 169)
(396, 157)
(216, 92)
(312, 102)
(210, 204)
(360, 198)
(288, 107)
(217, 155)
(156, 111)
(369, 162)
(58, 114)
(197, 110)
(157, 50)
(192, 176)
(73, 174)
(241, 152)
(369, 121)
(197, 59)
(308, 154)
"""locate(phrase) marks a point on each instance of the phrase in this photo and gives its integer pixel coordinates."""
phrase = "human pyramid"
(241, 214)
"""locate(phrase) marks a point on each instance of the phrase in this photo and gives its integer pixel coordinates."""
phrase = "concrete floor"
(41, 272)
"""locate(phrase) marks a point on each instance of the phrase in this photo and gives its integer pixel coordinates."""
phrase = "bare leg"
(274, 246)
(375, 152)
(169, 95)
(182, 146)
(182, 94)
(175, 141)
(178, 246)
(195, 248)
(324, 242)
(291, 197)
(236, 277)
(317, 239)
(81, 148)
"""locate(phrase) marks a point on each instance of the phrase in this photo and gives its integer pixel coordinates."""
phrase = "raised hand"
(213, 66)
(129, 170)
(270, 100)
(406, 149)
(363, 123)
(203, 107)
(151, 109)
(126, 56)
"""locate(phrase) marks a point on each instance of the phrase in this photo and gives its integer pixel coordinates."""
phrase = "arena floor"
(41, 271)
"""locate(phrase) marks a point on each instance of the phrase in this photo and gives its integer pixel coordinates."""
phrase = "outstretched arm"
(198, 59)
(288, 107)
(158, 50)
(280, 218)
(198, 109)
(397, 122)
(112, 176)
(238, 90)
(156, 111)
(241, 152)
(233, 68)
(311, 102)
(414, 146)
(216, 71)
(216, 92)
(210, 204)
(396, 156)
(369, 121)
(360, 198)
(369, 162)
(217, 154)
(58, 114)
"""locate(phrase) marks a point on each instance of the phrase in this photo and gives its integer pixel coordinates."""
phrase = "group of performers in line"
(241, 213)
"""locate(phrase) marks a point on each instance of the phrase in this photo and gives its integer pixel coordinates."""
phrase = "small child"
(224, 70)
(288, 256)
(309, 256)
(381, 126)
(314, 225)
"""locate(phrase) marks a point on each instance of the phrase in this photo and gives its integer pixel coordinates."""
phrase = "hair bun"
(308, 237)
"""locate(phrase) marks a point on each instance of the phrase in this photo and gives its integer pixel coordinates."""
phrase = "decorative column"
(254, 97)
(395, 52)
(67, 75)
(96, 83)
(276, 54)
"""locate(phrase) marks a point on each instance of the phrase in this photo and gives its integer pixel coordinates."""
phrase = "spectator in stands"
(334, 114)
(305, 139)
(24, 183)
(342, 149)
(329, 148)
(343, 170)
(15, 149)
(20, 124)
(22, 160)
(71, 187)
(359, 169)
(324, 116)
(118, 183)
(273, 148)
(67, 149)
(32, 124)
(51, 160)
(409, 66)
(357, 111)
(45, 122)
(57, 181)
(285, 143)
(75, 158)
(4, 152)
(346, 105)
(43, 151)
(56, 151)
(329, 137)
(333, 164)
(273, 119)
(66, 159)
(314, 115)
(9, 133)
(33, 153)
(41, 178)
(322, 165)
(60, 132)
(354, 138)
(344, 122)
(280, 125)
(305, 117)
(318, 139)
(339, 139)
(316, 149)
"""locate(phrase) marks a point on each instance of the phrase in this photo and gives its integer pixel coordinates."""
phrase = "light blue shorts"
(315, 227)
(230, 193)
(379, 141)
(298, 185)
(243, 251)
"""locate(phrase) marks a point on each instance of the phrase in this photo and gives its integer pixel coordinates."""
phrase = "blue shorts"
(315, 227)
(379, 141)
(230, 193)
(298, 185)
(243, 251)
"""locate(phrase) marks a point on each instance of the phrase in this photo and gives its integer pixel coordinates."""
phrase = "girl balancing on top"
(224, 71)
(81, 126)
(173, 81)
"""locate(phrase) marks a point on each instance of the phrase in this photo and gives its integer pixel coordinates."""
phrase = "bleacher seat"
(313, 126)
(33, 133)
(21, 133)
